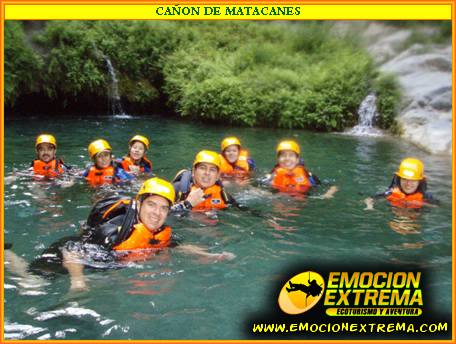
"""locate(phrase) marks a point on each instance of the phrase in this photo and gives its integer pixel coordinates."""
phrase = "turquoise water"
(178, 296)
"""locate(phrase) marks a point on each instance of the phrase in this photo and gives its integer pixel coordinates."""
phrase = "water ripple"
(123, 329)
(18, 331)
(72, 311)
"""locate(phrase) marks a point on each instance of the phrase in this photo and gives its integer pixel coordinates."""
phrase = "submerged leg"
(199, 251)
(19, 267)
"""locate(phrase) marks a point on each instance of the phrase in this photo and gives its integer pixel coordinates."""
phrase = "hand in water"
(196, 197)
(134, 169)
(66, 183)
(329, 194)
(369, 203)
(226, 256)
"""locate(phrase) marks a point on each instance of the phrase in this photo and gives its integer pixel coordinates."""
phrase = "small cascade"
(367, 113)
(113, 92)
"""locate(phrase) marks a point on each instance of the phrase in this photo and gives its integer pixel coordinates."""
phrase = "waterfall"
(367, 114)
(113, 92)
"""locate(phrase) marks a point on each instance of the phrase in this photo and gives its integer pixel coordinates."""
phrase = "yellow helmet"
(209, 157)
(288, 145)
(144, 140)
(45, 138)
(158, 186)
(98, 146)
(411, 168)
(229, 141)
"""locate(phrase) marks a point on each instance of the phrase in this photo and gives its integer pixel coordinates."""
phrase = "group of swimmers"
(202, 188)
(124, 226)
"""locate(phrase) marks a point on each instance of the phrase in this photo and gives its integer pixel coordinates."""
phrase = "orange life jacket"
(97, 176)
(142, 238)
(214, 200)
(127, 162)
(399, 199)
(50, 169)
(239, 168)
(295, 180)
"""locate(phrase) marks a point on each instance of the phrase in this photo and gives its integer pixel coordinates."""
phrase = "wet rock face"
(425, 77)
(424, 72)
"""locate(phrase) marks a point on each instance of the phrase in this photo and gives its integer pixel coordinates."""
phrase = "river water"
(177, 296)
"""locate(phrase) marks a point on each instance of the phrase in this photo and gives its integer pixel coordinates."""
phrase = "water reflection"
(405, 221)
(143, 285)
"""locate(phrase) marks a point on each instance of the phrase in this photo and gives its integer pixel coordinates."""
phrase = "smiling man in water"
(200, 189)
(46, 164)
(116, 230)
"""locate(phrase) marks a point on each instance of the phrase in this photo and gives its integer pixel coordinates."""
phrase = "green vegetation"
(301, 77)
(21, 64)
(72, 66)
(289, 75)
(387, 90)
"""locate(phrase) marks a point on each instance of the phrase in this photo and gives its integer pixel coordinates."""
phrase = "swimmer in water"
(46, 163)
(116, 230)
(200, 189)
(136, 161)
(408, 189)
(103, 170)
(289, 175)
(236, 163)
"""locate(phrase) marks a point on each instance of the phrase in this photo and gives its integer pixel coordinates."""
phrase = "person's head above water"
(206, 169)
(137, 147)
(155, 197)
(288, 153)
(231, 148)
(46, 147)
(411, 174)
(101, 153)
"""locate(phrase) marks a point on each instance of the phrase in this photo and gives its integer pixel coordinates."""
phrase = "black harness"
(115, 227)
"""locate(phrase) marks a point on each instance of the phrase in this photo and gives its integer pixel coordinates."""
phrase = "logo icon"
(301, 292)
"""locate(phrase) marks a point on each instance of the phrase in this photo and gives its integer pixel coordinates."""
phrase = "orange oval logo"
(301, 292)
